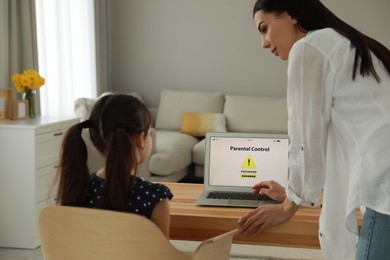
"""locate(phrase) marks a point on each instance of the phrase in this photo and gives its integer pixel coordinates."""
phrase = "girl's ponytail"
(120, 163)
(73, 171)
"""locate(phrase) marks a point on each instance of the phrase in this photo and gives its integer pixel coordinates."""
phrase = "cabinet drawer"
(44, 183)
(48, 147)
(25, 186)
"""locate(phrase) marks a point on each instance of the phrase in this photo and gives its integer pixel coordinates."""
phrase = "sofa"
(181, 121)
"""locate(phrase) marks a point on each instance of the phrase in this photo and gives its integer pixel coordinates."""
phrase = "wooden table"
(192, 222)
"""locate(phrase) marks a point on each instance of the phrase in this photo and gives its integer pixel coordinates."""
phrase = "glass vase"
(30, 96)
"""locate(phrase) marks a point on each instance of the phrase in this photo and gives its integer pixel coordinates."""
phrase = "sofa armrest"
(153, 112)
(143, 169)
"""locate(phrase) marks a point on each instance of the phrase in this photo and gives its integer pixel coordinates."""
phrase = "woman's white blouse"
(339, 132)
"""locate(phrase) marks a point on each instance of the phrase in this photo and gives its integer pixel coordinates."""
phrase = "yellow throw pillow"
(198, 124)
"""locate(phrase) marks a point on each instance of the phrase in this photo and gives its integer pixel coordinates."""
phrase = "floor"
(238, 252)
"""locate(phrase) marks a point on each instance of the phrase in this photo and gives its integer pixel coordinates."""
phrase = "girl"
(120, 128)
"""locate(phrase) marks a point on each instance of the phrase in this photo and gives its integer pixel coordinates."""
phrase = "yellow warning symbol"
(248, 163)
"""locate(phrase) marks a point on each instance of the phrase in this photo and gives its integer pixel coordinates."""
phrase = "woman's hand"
(258, 220)
(270, 188)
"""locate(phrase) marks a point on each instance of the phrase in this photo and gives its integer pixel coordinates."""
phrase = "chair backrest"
(215, 248)
(83, 233)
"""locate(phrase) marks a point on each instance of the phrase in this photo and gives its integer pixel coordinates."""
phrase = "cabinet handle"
(58, 134)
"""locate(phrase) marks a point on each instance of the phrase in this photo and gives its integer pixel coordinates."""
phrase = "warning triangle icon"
(248, 163)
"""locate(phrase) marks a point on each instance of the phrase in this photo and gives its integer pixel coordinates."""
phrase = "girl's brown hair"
(114, 124)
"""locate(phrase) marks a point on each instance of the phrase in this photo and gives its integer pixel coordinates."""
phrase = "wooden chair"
(83, 233)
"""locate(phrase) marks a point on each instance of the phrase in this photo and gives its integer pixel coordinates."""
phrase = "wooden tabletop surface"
(192, 222)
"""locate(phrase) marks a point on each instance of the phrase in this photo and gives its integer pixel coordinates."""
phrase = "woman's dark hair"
(114, 123)
(313, 15)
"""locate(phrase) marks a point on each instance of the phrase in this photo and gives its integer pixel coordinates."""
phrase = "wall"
(209, 45)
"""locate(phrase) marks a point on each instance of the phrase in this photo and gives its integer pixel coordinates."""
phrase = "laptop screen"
(242, 160)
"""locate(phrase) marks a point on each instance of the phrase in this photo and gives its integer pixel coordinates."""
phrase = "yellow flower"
(29, 79)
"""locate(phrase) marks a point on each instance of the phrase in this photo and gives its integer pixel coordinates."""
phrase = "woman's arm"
(309, 105)
(258, 220)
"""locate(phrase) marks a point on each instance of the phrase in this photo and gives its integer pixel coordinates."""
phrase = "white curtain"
(66, 53)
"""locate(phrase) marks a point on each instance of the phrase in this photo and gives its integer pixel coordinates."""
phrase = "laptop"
(234, 162)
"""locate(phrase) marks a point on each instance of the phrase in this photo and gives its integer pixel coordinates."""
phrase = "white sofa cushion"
(173, 103)
(173, 152)
(255, 114)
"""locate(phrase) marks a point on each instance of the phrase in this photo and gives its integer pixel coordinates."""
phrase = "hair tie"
(86, 124)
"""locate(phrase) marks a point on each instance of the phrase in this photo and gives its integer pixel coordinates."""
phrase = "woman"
(339, 127)
(120, 128)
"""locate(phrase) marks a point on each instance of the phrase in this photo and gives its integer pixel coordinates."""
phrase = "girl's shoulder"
(155, 188)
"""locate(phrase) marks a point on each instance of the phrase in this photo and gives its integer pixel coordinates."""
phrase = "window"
(66, 53)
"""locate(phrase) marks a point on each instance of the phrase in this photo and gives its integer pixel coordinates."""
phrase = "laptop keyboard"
(237, 196)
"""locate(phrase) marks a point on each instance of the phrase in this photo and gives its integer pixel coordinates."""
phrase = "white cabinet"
(29, 152)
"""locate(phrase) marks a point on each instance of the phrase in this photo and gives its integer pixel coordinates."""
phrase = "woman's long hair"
(313, 15)
(115, 123)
